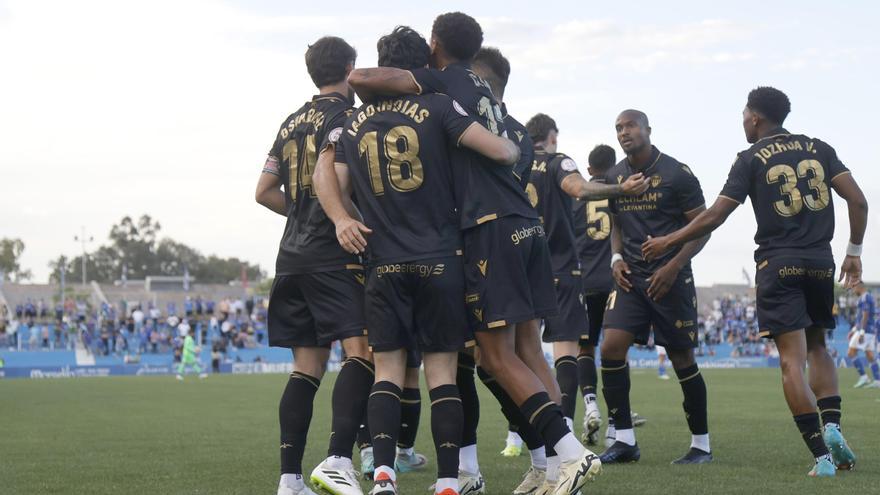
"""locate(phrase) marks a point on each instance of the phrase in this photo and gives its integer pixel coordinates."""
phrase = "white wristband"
(853, 249)
(615, 258)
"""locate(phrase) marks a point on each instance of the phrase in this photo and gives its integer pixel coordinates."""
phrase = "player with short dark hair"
(507, 265)
(592, 227)
(494, 68)
(657, 296)
(555, 181)
(788, 178)
(327, 60)
(395, 154)
(317, 295)
(491, 65)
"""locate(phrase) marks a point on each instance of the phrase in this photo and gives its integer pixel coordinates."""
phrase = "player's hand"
(654, 247)
(851, 271)
(634, 185)
(350, 234)
(662, 280)
(619, 271)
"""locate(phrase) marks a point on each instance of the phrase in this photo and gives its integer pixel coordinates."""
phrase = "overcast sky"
(169, 107)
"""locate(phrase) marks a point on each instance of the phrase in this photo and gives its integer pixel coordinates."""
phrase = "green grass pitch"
(153, 435)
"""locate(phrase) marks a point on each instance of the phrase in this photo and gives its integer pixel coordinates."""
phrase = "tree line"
(134, 250)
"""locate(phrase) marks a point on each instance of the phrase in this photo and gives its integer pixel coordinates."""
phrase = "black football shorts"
(314, 309)
(794, 293)
(570, 323)
(508, 272)
(673, 318)
(417, 305)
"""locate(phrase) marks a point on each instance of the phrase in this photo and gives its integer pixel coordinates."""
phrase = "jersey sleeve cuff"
(842, 173)
(416, 82)
(730, 199)
(695, 208)
(466, 129)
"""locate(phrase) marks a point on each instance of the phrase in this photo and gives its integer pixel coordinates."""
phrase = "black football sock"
(567, 377)
(695, 404)
(410, 413)
(546, 417)
(587, 378)
(829, 408)
(446, 423)
(295, 416)
(615, 388)
(363, 435)
(383, 411)
(470, 401)
(349, 403)
(808, 425)
(516, 421)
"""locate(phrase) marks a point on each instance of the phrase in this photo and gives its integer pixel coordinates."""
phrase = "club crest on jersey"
(656, 180)
(483, 265)
(478, 313)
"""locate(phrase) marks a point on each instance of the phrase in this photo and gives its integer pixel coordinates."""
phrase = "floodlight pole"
(83, 239)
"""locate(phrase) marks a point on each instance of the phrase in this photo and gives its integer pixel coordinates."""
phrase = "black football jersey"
(309, 242)
(673, 191)
(592, 230)
(554, 208)
(398, 153)
(485, 190)
(518, 133)
(788, 178)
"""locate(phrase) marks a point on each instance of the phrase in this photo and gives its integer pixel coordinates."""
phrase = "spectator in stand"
(138, 316)
(155, 314)
(188, 307)
(209, 307)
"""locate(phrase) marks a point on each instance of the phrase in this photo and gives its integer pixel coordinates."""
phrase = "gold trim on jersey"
(466, 129)
(353, 266)
(763, 264)
(695, 209)
(842, 173)
(415, 82)
(487, 218)
(729, 199)
(496, 324)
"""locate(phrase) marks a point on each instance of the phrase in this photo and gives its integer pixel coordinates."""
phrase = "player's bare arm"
(269, 193)
(390, 81)
(704, 224)
(664, 278)
(619, 269)
(333, 187)
(500, 149)
(577, 187)
(857, 206)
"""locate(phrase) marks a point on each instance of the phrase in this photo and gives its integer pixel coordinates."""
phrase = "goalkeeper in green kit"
(188, 353)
